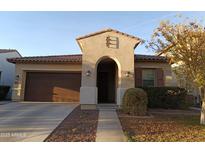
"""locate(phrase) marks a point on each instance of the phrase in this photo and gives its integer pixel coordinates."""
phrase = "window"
(148, 78)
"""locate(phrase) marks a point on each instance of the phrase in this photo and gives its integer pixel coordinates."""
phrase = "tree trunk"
(202, 94)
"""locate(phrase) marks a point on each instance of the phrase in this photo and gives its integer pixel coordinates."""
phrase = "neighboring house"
(106, 68)
(7, 70)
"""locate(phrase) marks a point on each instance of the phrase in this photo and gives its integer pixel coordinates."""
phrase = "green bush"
(190, 100)
(166, 97)
(135, 102)
(3, 92)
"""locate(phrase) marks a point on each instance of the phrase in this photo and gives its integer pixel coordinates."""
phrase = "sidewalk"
(109, 128)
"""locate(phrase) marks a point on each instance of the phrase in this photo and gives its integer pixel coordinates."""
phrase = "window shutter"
(138, 77)
(160, 77)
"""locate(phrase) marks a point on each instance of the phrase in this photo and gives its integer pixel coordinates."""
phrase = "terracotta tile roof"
(108, 30)
(150, 58)
(48, 59)
(78, 59)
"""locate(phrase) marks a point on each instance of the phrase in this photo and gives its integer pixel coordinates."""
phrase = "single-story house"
(101, 74)
(7, 70)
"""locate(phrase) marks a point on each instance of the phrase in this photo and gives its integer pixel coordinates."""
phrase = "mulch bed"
(78, 126)
(163, 127)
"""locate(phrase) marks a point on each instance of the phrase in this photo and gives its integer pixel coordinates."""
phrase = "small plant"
(135, 102)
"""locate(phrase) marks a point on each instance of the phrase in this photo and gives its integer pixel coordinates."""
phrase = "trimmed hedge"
(190, 99)
(3, 92)
(135, 102)
(166, 97)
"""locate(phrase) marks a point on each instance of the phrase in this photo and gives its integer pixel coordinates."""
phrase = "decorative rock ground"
(79, 126)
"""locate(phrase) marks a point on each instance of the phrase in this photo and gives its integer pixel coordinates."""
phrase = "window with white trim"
(148, 77)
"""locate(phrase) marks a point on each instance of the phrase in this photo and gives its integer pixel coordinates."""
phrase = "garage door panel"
(60, 94)
(55, 87)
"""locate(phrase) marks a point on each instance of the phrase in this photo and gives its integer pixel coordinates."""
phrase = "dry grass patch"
(163, 127)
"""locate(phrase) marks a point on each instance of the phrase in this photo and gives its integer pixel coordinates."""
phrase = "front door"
(103, 87)
(106, 82)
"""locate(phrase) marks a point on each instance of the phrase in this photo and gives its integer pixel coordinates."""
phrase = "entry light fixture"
(17, 79)
(127, 74)
(88, 73)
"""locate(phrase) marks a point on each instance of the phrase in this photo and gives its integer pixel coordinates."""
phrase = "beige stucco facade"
(21, 69)
(94, 49)
(169, 79)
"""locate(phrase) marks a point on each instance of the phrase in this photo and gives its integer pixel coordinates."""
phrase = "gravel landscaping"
(164, 126)
(78, 126)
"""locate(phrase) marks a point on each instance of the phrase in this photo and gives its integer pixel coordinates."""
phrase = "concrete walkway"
(109, 127)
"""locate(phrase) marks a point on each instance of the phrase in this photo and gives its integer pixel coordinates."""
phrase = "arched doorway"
(107, 79)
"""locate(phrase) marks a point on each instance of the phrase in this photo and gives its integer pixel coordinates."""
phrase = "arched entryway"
(107, 79)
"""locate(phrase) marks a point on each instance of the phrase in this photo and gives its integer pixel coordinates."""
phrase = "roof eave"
(43, 62)
(107, 30)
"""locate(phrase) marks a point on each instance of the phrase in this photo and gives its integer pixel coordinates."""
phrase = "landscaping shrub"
(166, 97)
(190, 100)
(135, 102)
(3, 92)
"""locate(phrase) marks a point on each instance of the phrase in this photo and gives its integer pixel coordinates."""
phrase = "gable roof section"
(77, 59)
(5, 51)
(108, 30)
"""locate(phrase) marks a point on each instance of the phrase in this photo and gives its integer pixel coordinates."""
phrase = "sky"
(54, 33)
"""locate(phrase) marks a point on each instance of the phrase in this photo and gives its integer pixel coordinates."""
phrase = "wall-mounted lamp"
(17, 78)
(127, 74)
(88, 73)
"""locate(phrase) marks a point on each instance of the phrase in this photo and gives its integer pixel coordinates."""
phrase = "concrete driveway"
(31, 121)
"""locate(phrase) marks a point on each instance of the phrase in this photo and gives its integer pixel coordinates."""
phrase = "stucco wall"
(7, 70)
(94, 49)
(21, 69)
(169, 79)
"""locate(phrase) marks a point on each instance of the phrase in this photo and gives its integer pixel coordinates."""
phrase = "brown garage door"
(54, 87)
